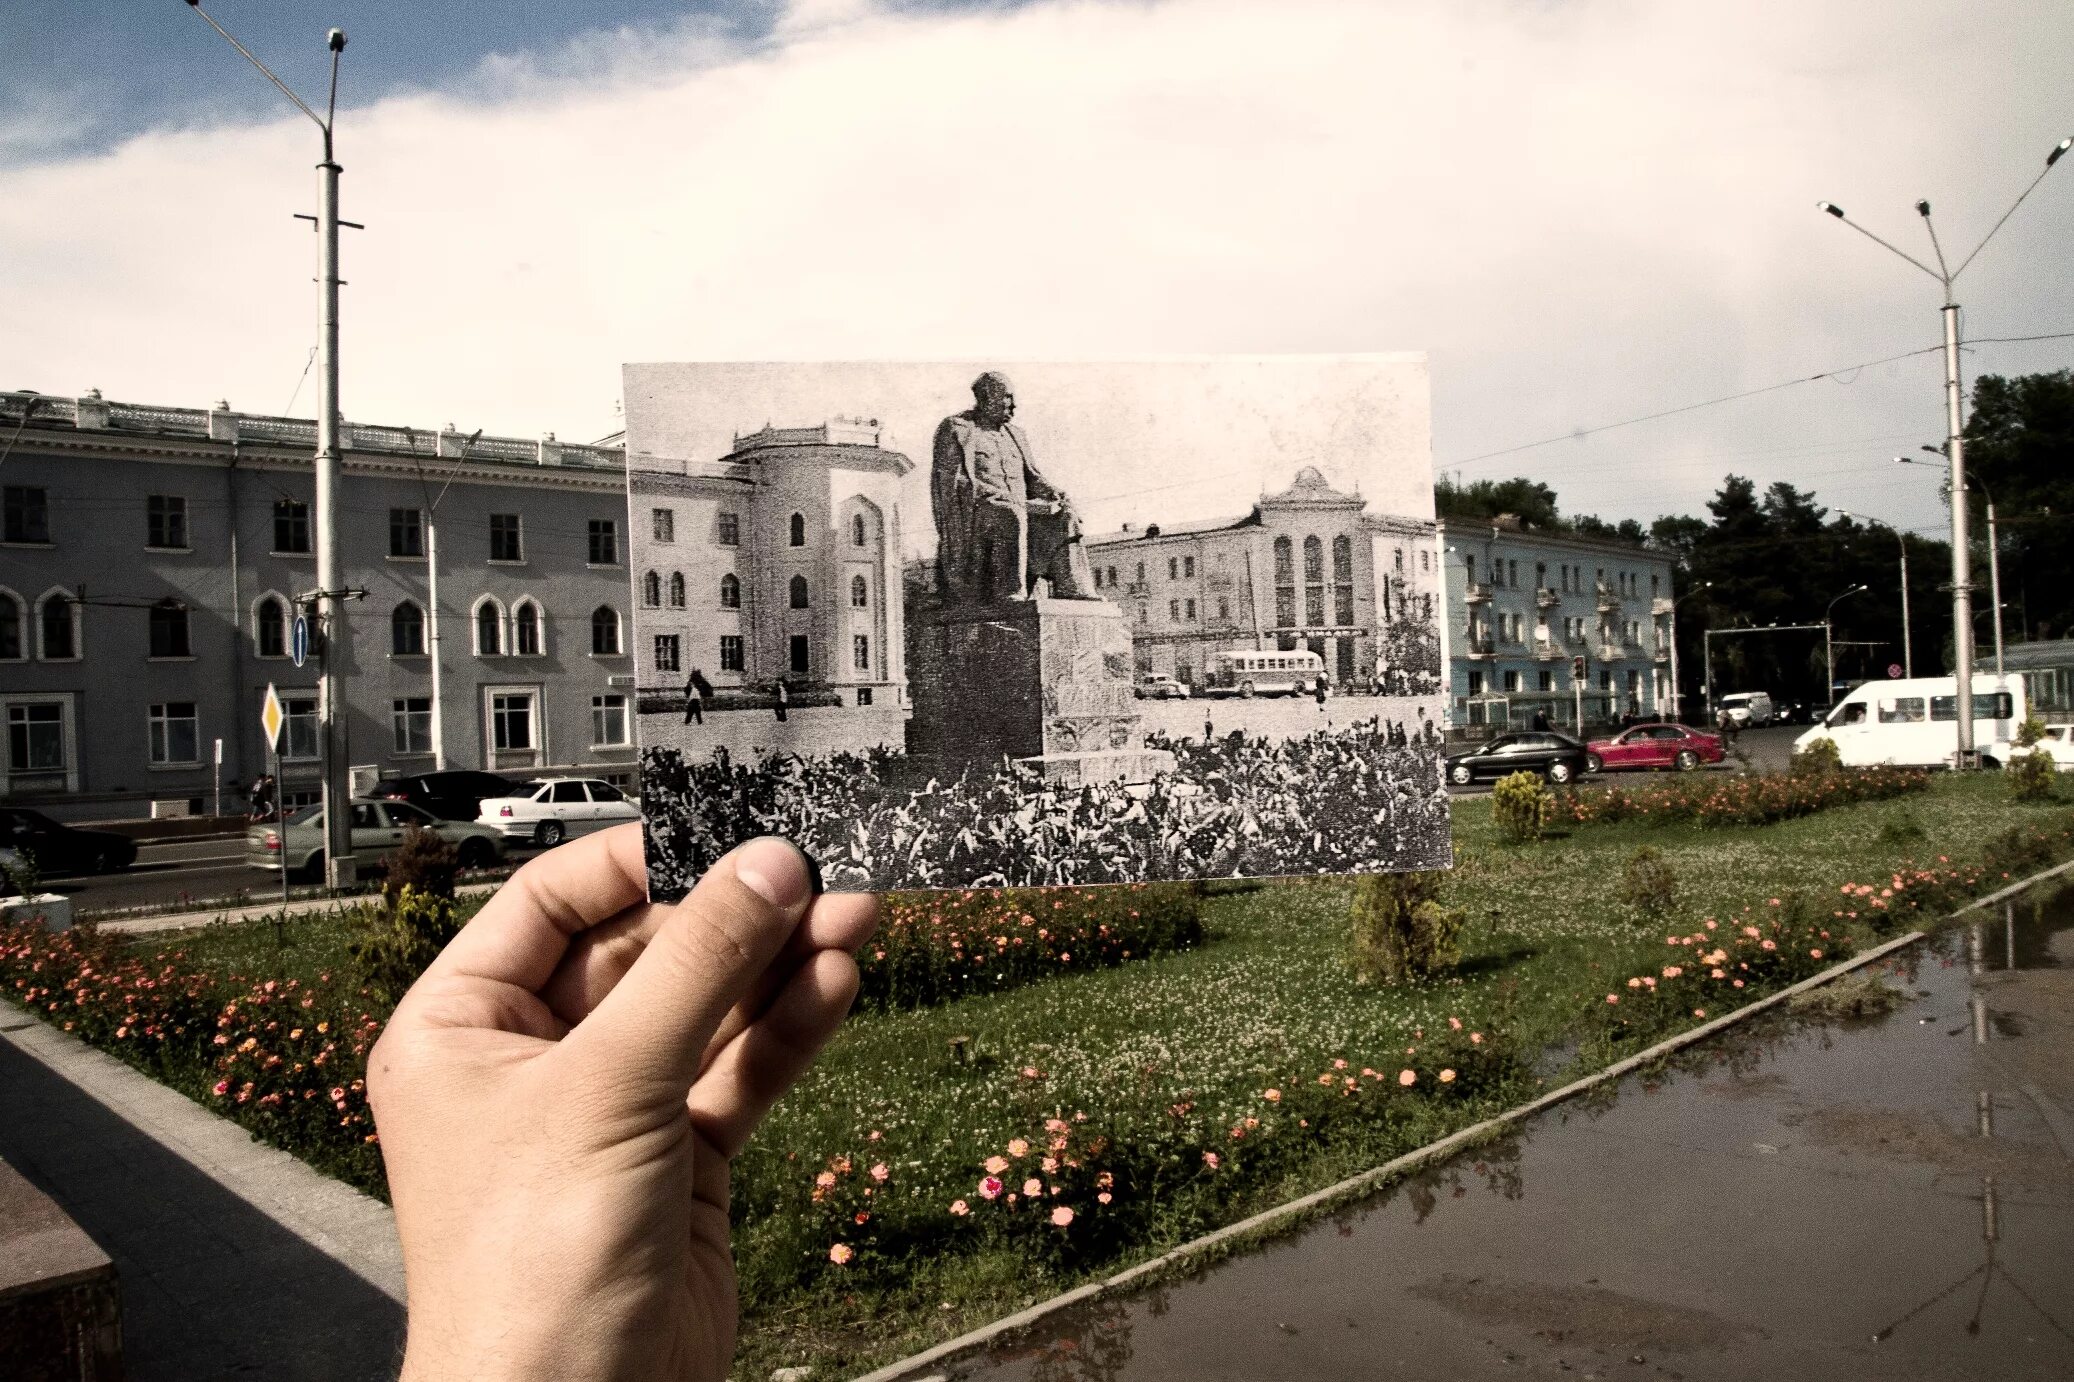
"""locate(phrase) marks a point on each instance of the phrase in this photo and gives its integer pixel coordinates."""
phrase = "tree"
(1531, 501)
(2020, 442)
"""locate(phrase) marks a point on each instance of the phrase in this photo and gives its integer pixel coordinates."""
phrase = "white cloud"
(1583, 212)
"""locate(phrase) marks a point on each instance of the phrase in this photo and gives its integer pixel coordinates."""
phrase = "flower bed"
(935, 947)
(1753, 799)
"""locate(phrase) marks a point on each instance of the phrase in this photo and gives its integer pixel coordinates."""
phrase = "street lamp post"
(1955, 426)
(1677, 696)
(333, 643)
(1908, 657)
(1829, 643)
(1994, 549)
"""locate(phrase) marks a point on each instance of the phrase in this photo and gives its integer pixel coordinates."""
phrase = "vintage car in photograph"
(1158, 686)
(1655, 746)
(550, 810)
(378, 832)
(1557, 757)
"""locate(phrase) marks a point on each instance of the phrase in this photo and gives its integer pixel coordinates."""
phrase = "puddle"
(1871, 1197)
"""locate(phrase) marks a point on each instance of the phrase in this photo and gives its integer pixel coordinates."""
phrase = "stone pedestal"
(1046, 682)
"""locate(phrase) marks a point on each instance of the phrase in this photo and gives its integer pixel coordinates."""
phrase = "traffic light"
(1577, 668)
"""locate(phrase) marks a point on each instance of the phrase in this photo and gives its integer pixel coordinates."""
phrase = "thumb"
(651, 1031)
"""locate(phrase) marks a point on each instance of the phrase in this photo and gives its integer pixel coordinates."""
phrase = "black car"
(1557, 757)
(60, 849)
(452, 796)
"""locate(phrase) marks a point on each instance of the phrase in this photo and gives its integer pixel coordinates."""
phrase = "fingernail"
(776, 871)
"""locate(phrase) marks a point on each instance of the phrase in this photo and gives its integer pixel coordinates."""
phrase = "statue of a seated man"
(1001, 527)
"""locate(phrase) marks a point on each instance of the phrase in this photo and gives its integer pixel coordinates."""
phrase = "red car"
(1655, 746)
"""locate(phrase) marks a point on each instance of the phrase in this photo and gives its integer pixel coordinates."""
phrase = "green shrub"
(1903, 829)
(2032, 775)
(1522, 806)
(426, 862)
(1647, 883)
(1817, 758)
(391, 946)
(2030, 732)
(1745, 799)
(1400, 929)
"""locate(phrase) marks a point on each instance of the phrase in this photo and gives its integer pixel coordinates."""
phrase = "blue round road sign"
(299, 641)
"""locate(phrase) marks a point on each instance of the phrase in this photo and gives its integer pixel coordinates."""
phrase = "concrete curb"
(1370, 1180)
(325, 906)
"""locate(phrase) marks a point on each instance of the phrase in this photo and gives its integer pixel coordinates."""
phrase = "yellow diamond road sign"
(271, 717)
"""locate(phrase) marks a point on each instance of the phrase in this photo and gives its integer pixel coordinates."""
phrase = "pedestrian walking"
(1541, 724)
(1726, 723)
(784, 699)
(696, 689)
(1323, 689)
(263, 789)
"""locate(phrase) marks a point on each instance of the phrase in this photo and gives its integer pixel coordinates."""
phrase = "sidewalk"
(1878, 1198)
(178, 921)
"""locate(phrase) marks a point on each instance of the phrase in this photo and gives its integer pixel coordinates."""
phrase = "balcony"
(1548, 650)
(1609, 652)
(1547, 597)
(1609, 599)
(1478, 594)
(1660, 606)
(1661, 653)
(1479, 647)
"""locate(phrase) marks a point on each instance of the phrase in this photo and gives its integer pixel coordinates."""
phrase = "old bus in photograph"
(1266, 672)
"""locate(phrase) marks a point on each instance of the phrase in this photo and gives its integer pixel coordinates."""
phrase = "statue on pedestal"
(1001, 527)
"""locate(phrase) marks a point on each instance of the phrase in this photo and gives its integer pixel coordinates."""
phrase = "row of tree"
(1779, 557)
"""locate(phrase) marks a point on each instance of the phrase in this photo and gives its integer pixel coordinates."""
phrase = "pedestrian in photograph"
(1323, 689)
(696, 689)
(784, 698)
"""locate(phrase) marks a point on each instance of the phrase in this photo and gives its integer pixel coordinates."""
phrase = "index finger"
(523, 931)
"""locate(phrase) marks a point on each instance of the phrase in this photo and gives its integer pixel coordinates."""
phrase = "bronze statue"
(1000, 525)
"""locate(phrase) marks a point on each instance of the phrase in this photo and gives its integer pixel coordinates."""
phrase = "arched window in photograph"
(676, 590)
(1314, 581)
(605, 631)
(489, 629)
(407, 630)
(270, 626)
(730, 591)
(1343, 581)
(57, 620)
(526, 629)
(860, 591)
(799, 530)
(857, 530)
(799, 592)
(13, 630)
(652, 590)
(1285, 583)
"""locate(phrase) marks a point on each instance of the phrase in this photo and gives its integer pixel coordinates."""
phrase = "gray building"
(150, 563)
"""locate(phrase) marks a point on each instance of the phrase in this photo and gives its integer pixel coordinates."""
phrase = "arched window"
(270, 626)
(13, 647)
(605, 631)
(1285, 583)
(857, 530)
(407, 630)
(676, 590)
(799, 592)
(860, 592)
(526, 629)
(489, 628)
(58, 626)
(1314, 582)
(730, 591)
(799, 530)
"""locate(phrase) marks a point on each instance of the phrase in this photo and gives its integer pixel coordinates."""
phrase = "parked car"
(1654, 746)
(378, 831)
(1557, 757)
(1914, 722)
(55, 849)
(454, 795)
(1748, 709)
(1159, 686)
(548, 811)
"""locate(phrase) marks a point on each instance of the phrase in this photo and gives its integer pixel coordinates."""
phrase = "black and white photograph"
(1002, 624)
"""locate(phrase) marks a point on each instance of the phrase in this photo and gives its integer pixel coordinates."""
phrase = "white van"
(1915, 722)
(1748, 709)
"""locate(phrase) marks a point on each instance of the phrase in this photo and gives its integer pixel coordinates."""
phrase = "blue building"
(1545, 622)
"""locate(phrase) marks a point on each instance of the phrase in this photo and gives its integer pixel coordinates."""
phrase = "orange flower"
(1061, 1216)
(1446, 1076)
(840, 1254)
(1407, 1078)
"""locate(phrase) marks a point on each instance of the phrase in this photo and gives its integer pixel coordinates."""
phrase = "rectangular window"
(1173, 568)
(663, 522)
(1512, 681)
(511, 719)
(174, 740)
(860, 652)
(1188, 610)
(730, 530)
(410, 720)
(1188, 566)
(291, 526)
(604, 539)
(1902, 710)
(1476, 683)
(36, 737)
(406, 533)
(608, 722)
(169, 631)
(24, 514)
(799, 654)
(1343, 605)
(864, 695)
(299, 739)
(666, 653)
(731, 652)
(1223, 609)
(1174, 610)
(505, 543)
(1544, 681)
(165, 520)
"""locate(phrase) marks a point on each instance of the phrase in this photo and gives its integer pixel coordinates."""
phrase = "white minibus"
(1916, 722)
(1268, 672)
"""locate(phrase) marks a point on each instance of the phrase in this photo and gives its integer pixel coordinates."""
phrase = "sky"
(1581, 211)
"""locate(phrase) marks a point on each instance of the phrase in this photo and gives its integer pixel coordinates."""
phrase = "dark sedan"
(455, 795)
(57, 849)
(1557, 757)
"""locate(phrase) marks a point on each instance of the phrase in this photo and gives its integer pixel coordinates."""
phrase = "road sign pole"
(280, 824)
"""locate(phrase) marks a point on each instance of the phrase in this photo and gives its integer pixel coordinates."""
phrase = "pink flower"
(1033, 1186)
(1407, 1078)
(1104, 1197)
(1612, 998)
(990, 1188)
(1210, 1160)
(1061, 1217)
(1455, 1023)
(996, 1165)
(879, 1173)
(1273, 1096)
(1018, 1147)
(825, 1180)
(1816, 953)
(220, 1088)
(1699, 1012)
(1476, 1038)
(960, 1208)
(840, 1254)
(1447, 1077)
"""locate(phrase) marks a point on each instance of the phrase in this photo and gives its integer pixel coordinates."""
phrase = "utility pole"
(332, 633)
(1677, 696)
(1829, 645)
(432, 594)
(1955, 443)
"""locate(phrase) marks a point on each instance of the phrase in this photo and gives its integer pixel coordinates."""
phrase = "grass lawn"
(1150, 1068)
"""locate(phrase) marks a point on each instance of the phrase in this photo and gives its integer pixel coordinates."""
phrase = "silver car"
(378, 831)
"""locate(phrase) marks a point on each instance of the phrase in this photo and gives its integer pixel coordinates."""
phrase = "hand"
(560, 1093)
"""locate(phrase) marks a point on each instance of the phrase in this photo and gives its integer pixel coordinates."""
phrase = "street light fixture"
(1962, 558)
(1829, 642)
(1994, 547)
(331, 622)
(1908, 657)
